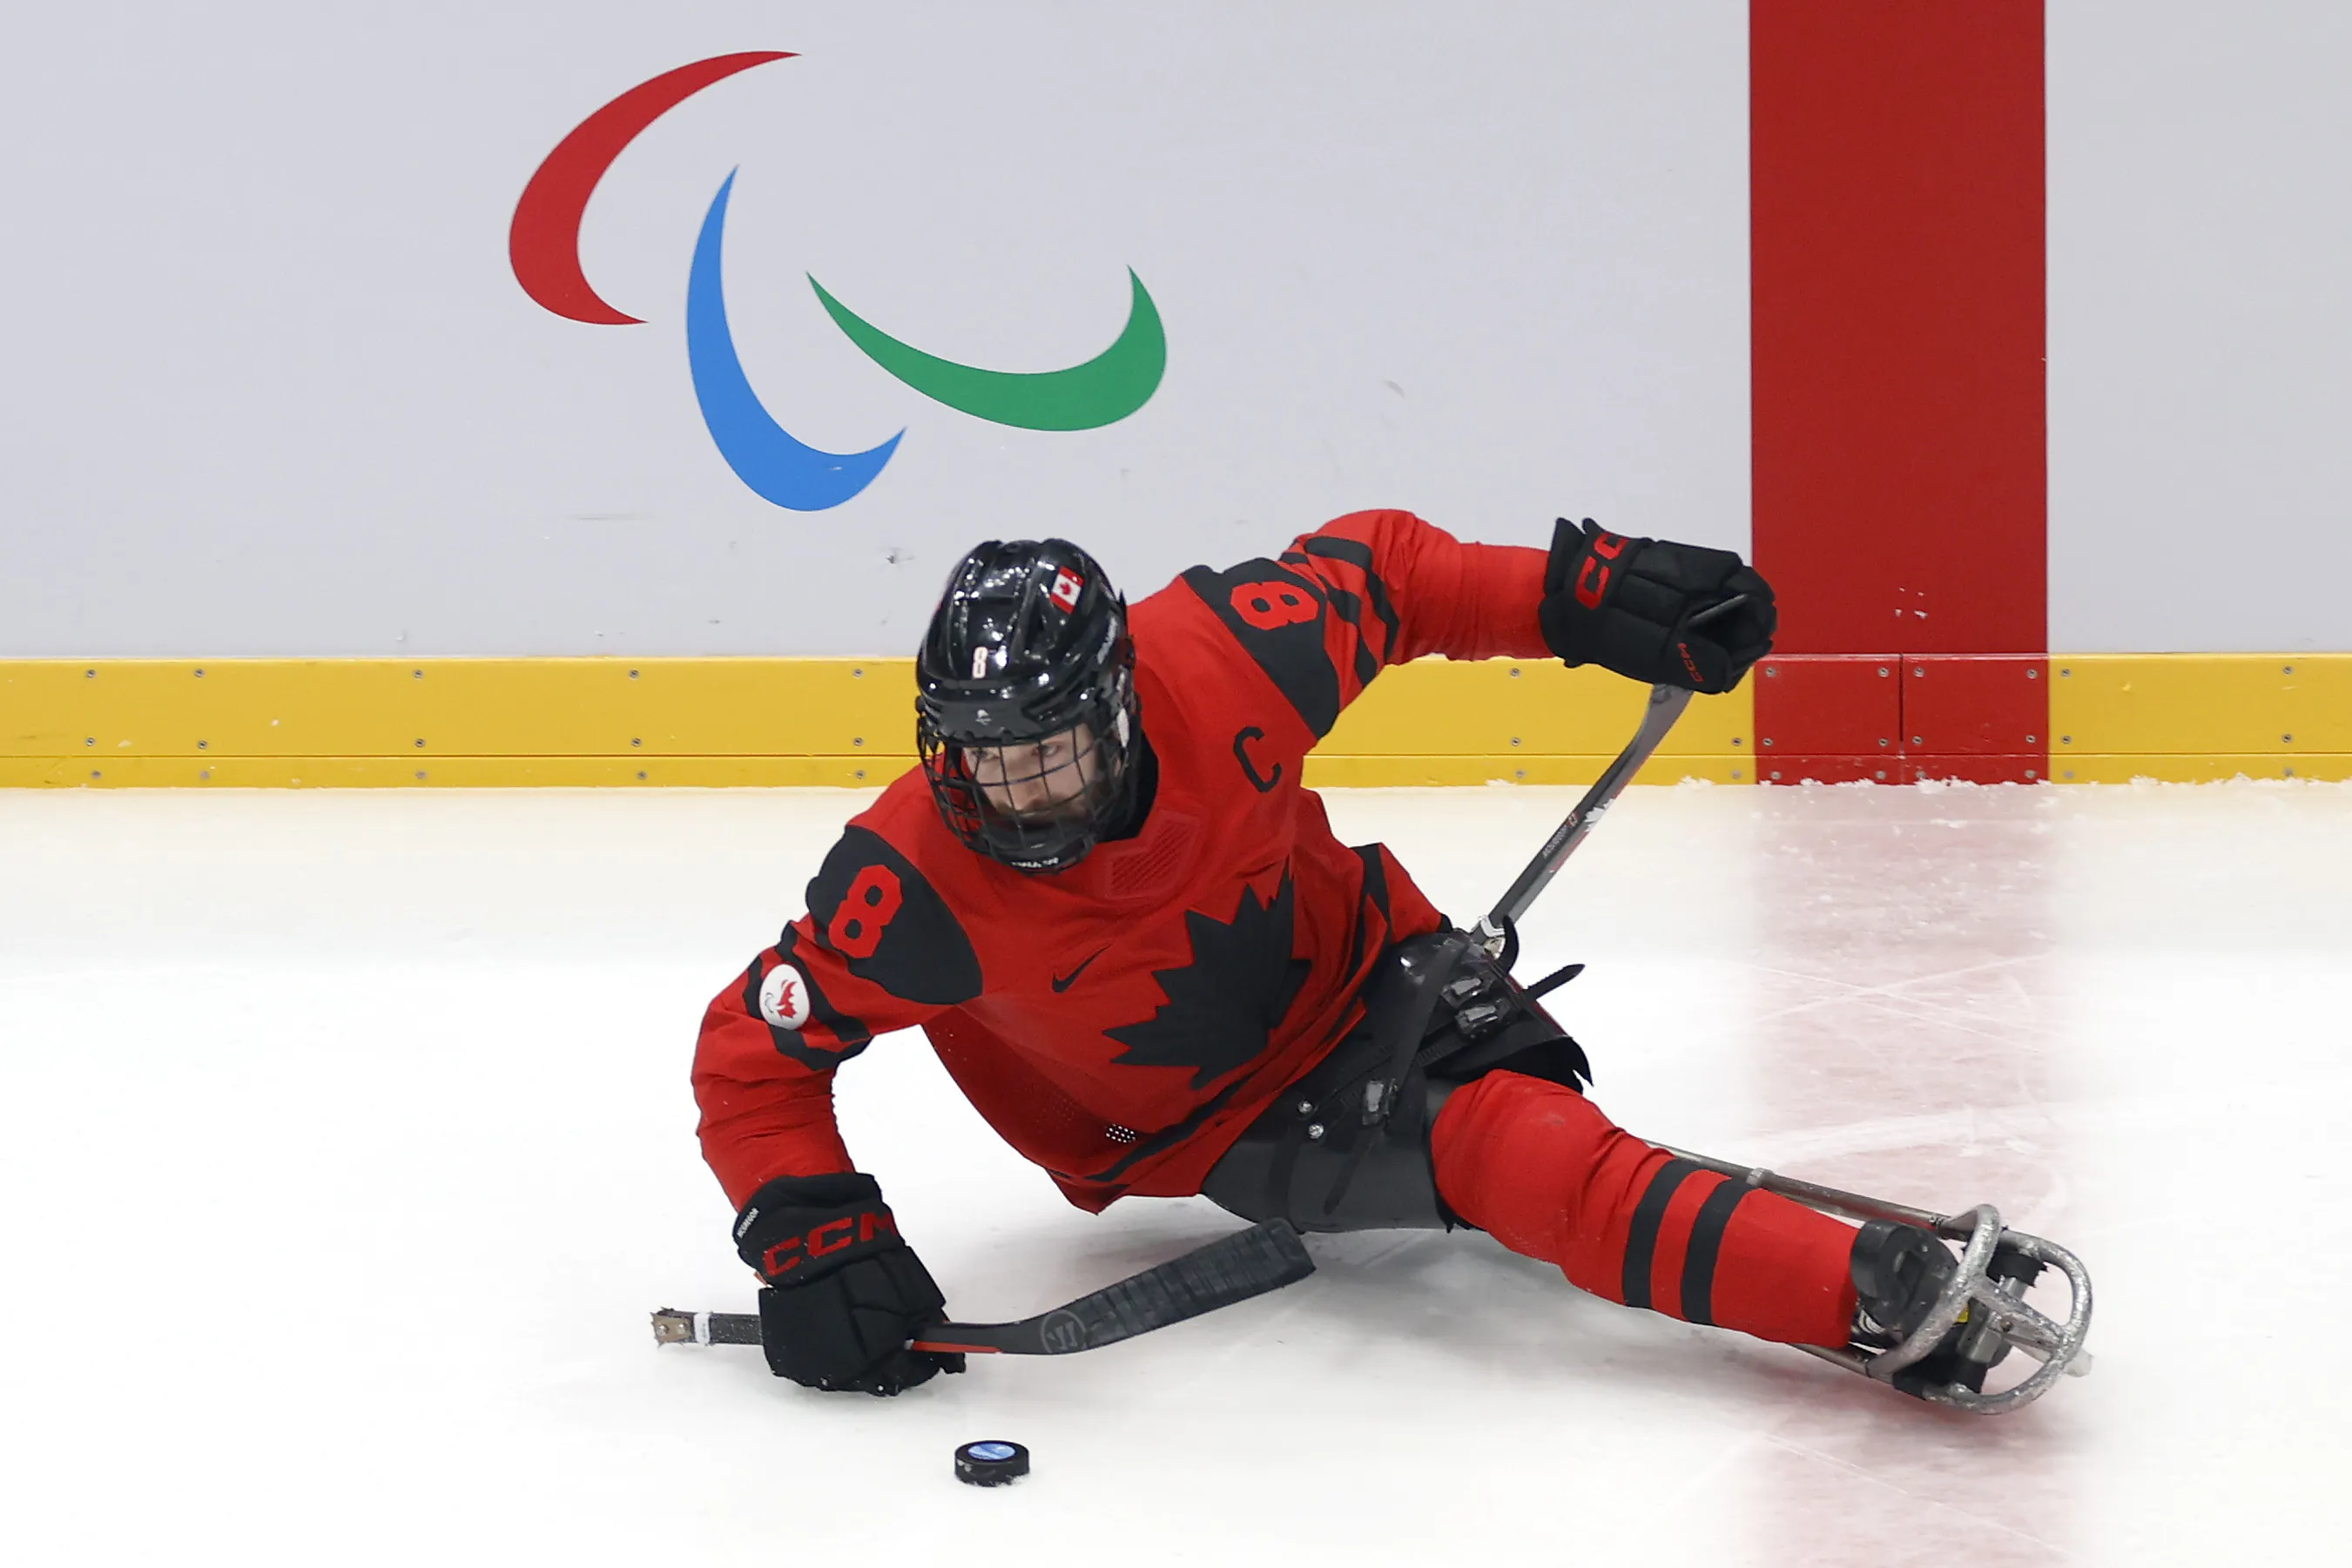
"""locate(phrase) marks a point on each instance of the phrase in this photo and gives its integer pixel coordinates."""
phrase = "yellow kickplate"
(1499, 708)
(310, 722)
(456, 708)
(384, 723)
(2211, 706)
(449, 772)
(2178, 769)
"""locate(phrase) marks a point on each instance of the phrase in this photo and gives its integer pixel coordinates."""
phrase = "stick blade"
(1267, 1256)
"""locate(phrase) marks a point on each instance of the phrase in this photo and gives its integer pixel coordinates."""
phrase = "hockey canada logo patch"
(784, 997)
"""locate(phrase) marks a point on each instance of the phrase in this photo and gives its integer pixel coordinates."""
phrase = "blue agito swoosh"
(762, 453)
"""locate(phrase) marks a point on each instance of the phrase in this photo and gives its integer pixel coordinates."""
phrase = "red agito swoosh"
(543, 243)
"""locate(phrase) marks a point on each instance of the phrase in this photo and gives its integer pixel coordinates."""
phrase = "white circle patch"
(784, 996)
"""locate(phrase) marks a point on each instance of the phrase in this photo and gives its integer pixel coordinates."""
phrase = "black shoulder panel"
(852, 1032)
(1351, 608)
(1330, 546)
(874, 908)
(1276, 615)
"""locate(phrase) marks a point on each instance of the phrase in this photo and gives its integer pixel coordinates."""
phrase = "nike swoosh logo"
(1072, 977)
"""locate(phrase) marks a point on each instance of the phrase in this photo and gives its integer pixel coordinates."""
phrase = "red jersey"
(1120, 1023)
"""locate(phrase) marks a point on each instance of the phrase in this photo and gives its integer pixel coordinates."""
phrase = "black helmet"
(1026, 704)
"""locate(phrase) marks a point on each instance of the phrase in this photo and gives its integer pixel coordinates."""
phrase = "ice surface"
(346, 1145)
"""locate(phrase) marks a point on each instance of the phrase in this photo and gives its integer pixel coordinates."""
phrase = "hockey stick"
(1266, 1257)
(1498, 927)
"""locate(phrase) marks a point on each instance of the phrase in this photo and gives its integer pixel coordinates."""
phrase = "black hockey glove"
(844, 1293)
(1629, 605)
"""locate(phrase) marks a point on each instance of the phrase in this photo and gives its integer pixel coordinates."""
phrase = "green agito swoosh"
(1103, 390)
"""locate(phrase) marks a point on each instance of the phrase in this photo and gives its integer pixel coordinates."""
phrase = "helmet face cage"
(1026, 704)
(1038, 804)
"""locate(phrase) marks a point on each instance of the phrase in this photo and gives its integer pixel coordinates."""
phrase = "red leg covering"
(1538, 1165)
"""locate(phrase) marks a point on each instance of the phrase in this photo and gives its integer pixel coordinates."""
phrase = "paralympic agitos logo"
(543, 244)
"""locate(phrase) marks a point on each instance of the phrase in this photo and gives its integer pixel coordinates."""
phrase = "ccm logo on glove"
(1668, 613)
(844, 1294)
(1592, 578)
(835, 1235)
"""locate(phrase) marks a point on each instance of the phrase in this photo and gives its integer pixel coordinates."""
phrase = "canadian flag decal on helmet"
(1067, 585)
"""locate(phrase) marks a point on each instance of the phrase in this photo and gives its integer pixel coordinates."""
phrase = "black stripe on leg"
(1705, 1242)
(1642, 1240)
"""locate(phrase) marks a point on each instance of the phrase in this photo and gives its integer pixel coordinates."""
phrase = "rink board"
(734, 722)
(477, 722)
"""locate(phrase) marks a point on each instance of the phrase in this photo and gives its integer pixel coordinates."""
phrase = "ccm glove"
(844, 1293)
(1630, 604)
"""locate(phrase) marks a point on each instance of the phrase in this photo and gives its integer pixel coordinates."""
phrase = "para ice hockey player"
(1135, 942)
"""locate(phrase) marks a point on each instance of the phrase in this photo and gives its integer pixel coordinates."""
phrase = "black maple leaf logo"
(1222, 1007)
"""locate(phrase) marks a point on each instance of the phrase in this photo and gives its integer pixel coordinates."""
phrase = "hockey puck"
(990, 1464)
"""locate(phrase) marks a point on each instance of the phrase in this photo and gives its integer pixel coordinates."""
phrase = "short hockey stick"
(1496, 928)
(1266, 1257)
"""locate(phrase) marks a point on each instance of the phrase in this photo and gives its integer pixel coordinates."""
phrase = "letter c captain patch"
(784, 997)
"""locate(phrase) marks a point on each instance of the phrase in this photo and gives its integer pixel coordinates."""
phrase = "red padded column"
(1900, 419)
(1896, 169)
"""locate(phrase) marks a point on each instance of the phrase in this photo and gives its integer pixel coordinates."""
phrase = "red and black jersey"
(1121, 1022)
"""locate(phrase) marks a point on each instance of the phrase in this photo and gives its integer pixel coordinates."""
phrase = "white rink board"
(282, 394)
(273, 389)
(347, 1143)
(2201, 335)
